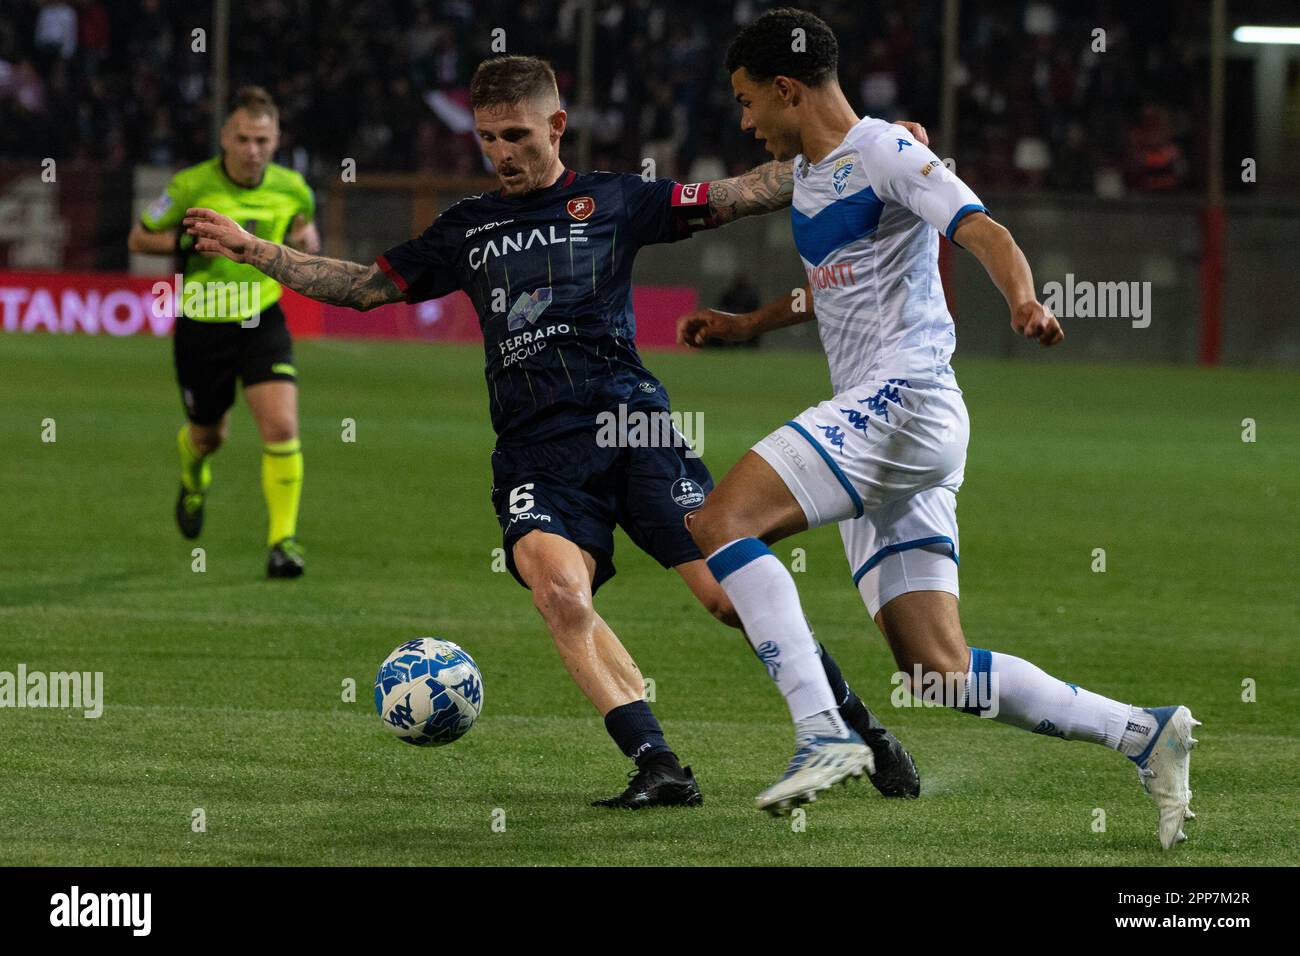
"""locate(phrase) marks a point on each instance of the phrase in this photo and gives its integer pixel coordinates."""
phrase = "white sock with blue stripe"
(764, 595)
(1013, 691)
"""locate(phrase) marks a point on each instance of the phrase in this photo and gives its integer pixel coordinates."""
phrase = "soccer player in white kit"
(884, 457)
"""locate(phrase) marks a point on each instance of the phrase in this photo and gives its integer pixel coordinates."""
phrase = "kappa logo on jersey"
(527, 308)
(840, 176)
(581, 208)
(688, 493)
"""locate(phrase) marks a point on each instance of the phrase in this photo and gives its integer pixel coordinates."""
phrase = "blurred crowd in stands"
(120, 82)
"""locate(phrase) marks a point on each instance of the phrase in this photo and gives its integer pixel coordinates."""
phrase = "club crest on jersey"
(840, 175)
(581, 208)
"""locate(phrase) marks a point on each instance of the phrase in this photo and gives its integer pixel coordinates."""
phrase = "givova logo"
(103, 909)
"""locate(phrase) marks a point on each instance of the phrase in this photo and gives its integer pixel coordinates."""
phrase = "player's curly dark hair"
(510, 79)
(770, 46)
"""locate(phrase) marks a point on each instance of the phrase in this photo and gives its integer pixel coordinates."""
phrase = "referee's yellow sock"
(196, 473)
(282, 487)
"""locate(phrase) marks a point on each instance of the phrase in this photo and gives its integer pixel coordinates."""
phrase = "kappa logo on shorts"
(789, 450)
(834, 434)
(859, 420)
(688, 493)
(878, 402)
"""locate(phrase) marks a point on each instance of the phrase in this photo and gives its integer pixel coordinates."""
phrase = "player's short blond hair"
(255, 101)
(505, 80)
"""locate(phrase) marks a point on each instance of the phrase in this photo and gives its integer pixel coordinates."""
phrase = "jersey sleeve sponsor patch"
(168, 209)
(662, 210)
(917, 179)
(690, 207)
(158, 208)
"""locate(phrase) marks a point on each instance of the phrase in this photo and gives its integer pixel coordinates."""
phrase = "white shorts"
(884, 460)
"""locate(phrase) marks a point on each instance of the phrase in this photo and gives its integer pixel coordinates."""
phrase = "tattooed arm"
(762, 189)
(768, 187)
(332, 281)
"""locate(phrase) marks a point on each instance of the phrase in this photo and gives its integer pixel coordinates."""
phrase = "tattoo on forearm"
(332, 281)
(763, 189)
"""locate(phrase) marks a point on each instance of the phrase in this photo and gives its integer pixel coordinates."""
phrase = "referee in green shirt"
(229, 324)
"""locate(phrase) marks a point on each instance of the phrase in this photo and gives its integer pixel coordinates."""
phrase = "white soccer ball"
(428, 691)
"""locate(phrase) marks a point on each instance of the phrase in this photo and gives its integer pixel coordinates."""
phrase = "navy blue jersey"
(550, 276)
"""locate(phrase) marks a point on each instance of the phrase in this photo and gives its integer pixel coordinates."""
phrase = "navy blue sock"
(636, 732)
(852, 709)
(839, 686)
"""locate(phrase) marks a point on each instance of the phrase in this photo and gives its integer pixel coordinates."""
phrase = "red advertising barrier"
(112, 303)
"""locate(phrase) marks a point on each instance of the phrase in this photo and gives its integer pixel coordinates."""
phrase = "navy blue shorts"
(574, 488)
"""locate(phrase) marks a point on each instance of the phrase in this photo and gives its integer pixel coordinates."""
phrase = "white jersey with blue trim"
(864, 221)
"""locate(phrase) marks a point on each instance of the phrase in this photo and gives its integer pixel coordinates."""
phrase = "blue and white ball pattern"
(428, 692)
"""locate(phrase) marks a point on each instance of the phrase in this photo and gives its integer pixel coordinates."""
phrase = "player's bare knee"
(279, 430)
(942, 658)
(710, 526)
(208, 438)
(563, 602)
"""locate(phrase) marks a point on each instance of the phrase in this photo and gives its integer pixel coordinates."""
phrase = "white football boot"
(818, 764)
(1164, 769)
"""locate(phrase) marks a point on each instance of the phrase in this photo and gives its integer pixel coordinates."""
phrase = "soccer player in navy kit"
(547, 261)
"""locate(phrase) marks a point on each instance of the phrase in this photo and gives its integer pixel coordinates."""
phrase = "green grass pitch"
(225, 691)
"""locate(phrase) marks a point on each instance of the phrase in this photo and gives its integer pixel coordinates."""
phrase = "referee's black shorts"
(209, 356)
